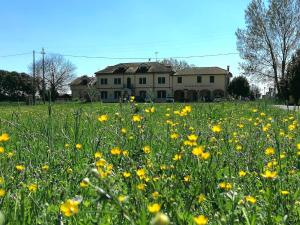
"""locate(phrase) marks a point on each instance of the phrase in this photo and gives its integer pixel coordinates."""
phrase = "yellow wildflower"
(103, 118)
(269, 174)
(1, 150)
(122, 198)
(126, 174)
(225, 186)
(192, 138)
(69, 208)
(174, 136)
(250, 199)
(155, 195)
(285, 192)
(154, 208)
(201, 198)
(115, 151)
(177, 157)
(141, 186)
(201, 220)
(4, 137)
(2, 192)
(136, 118)
(242, 173)
(147, 149)
(198, 150)
(78, 146)
(20, 167)
(32, 187)
(270, 151)
(216, 129)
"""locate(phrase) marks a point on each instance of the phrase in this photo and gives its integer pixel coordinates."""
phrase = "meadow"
(159, 164)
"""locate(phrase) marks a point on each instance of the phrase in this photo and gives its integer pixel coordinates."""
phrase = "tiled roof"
(202, 71)
(83, 80)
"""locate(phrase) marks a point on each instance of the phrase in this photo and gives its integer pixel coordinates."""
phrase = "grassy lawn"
(225, 163)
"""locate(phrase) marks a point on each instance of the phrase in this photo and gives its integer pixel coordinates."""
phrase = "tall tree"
(176, 64)
(271, 35)
(59, 72)
(239, 86)
(294, 77)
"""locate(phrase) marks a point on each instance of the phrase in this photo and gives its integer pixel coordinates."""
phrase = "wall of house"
(78, 91)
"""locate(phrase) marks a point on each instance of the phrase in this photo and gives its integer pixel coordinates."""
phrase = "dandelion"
(84, 183)
(2, 192)
(284, 192)
(201, 220)
(78, 146)
(242, 173)
(140, 173)
(187, 178)
(32, 187)
(101, 163)
(298, 146)
(238, 147)
(147, 149)
(269, 174)
(141, 187)
(69, 208)
(154, 208)
(198, 150)
(20, 168)
(216, 129)
(125, 153)
(136, 118)
(103, 118)
(126, 174)
(67, 145)
(115, 151)
(225, 186)
(160, 219)
(201, 198)
(270, 151)
(123, 131)
(4, 137)
(205, 155)
(174, 136)
(1, 150)
(98, 155)
(192, 138)
(45, 167)
(155, 195)
(121, 198)
(10, 154)
(177, 157)
(250, 199)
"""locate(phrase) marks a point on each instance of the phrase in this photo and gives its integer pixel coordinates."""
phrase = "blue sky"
(120, 28)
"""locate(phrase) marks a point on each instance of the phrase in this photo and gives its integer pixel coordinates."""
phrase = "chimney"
(228, 68)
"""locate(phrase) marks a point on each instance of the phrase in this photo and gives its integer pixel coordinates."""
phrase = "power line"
(19, 54)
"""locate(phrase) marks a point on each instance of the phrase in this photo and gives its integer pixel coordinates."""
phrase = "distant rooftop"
(202, 71)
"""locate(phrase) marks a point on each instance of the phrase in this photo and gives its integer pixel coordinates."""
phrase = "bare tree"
(59, 72)
(270, 38)
(176, 64)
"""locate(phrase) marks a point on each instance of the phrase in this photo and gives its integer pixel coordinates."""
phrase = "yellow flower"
(147, 149)
(20, 167)
(78, 146)
(32, 187)
(2, 192)
(140, 173)
(84, 183)
(10, 154)
(201, 198)
(177, 157)
(225, 186)
(298, 146)
(45, 167)
(174, 136)
(216, 129)
(123, 130)
(101, 162)
(270, 151)
(141, 187)
(291, 127)
(126, 174)
(242, 173)
(238, 147)
(205, 155)
(201, 220)
(160, 219)
(98, 155)
(69, 208)
(155, 195)
(103, 118)
(115, 151)
(4, 137)
(1, 150)
(122, 198)
(269, 174)
(285, 192)
(250, 199)
(67, 145)
(125, 152)
(198, 150)
(69, 170)
(187, 178)
(136, 118)
(154, 208)
(192, 138)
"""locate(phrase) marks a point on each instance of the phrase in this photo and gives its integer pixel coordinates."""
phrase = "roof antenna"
(156, 55)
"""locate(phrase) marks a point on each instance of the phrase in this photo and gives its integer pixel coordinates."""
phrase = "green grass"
(44, 135)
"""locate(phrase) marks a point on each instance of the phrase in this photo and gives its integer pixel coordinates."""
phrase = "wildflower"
(160, 219)
(147, 149)
(198, 150)
(125, 153)
(115, 151)
(69, 208)
(32, 187)
(285, 192)
(98, 155)
(123, 131)
(216, 129)
(20, 167)
(136, 118)
(269, 174)
(201, 198)
(177, 157)
(201, 220)
(187, 178)
(132, 98)
(10, 154)
(45, 167)
(291, 127)
(192, 138)
(154, 208)
(174, 136)
(225, 186)
(238, 147)
(140, 173)
(122, 198)
(205, 155)
(78, 146)
(103, 118)
(250, 199)
(2, 192)
(242, 173)
(4, 137)
(67, 145)
(101, 162)
(69, 170)
(270, 151)
(155, 195)
(141, 187)
(85, 183)
(1, 150)
(298, 146)
(126, 174)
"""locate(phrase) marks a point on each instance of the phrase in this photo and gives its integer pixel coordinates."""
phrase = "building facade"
(153, 81)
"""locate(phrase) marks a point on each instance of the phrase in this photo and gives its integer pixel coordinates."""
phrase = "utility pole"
(33, 78)
(43, 81)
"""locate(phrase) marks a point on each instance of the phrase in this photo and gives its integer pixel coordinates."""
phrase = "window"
(179, 80)
(117, 94)
(142, 80)
(103, 94)
(212, 79)
(199, 79)
(117, 81)
(103, 80)
(161, 94)
(161, 80)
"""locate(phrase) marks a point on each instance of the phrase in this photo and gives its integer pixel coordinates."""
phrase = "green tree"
(294, 76)
(239, 86)
(270, 38)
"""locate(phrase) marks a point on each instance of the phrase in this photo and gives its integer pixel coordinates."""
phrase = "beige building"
(157, 82)
(82, 87)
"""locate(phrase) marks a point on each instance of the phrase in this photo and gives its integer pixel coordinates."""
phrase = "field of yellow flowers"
(159, 164)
